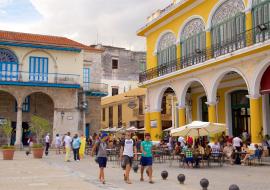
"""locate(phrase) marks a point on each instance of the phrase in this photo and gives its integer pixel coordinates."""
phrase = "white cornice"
(173, 17)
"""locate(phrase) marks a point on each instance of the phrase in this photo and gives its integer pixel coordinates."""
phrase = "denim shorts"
(102, 162)
(146, 161)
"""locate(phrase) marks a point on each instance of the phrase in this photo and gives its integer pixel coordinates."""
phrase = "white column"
(19, 127)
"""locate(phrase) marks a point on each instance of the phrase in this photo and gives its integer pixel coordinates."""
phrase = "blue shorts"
(102, 162)
(189, 160)
(146, 161)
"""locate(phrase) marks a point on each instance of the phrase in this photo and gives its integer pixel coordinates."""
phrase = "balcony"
(20, 78)
(259, 34)
(95, 89)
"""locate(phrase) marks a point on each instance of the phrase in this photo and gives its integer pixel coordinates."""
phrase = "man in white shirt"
(237, 143)
(182, 142)
(67, 141)
(47, 141)
(127, 152)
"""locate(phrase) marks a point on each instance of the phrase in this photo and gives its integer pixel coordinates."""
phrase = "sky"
(109, 22)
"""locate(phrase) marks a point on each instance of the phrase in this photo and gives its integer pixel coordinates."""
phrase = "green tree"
(7, 130)
(40, 127)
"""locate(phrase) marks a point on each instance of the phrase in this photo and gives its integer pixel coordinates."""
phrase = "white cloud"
(4, 3)
(115, 22)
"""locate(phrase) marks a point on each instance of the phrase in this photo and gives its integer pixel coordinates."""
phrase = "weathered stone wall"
(93, 116)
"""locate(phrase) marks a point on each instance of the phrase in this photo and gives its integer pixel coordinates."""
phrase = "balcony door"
(38, 69)
(8, 65)
(86, 78)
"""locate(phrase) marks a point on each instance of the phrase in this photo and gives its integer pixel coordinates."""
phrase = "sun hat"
(104, 135)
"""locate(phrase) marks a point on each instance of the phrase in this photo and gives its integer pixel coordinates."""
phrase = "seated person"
(228, 152)
(252, 156)
(207, 152)
(197, 156)
(215, 149)
(188, 155)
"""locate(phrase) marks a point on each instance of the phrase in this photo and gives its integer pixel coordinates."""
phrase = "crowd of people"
(236, 150)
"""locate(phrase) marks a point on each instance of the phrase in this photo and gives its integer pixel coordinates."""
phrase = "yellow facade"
(172, 20)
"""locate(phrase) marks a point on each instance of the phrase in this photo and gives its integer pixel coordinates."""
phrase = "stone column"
(212, 115)
(256, 120)
(18, 141)
(182, 116)
(156, 131)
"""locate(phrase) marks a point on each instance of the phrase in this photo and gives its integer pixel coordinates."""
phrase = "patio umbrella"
(169, 129)
(199, 128)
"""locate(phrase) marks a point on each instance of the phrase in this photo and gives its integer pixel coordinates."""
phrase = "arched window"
(261, 18)
(166, 51)
(8, 65)
(192, 41)
(228, 26)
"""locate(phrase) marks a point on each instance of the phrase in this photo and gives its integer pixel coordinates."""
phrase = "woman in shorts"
(101, 147)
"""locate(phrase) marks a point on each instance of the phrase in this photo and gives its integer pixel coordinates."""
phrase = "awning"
(265, 82)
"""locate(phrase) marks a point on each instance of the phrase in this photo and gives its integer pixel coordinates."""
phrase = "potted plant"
(8, 150)
(39, 126)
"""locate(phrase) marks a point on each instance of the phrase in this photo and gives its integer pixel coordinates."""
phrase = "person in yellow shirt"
(82, 147)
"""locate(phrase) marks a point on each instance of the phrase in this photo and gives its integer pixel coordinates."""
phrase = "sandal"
(128, 182)
(141, 179)
(151, 182)
(125, 178)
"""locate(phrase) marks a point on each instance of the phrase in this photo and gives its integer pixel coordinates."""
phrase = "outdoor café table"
(216, 156)
(237, 159)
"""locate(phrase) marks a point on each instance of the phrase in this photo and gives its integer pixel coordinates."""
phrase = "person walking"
(47, 142)
(76, 143)
(147, 158)
(82, 147)
(101, 148)
(67, 142)
(58, 143)
(128, 151)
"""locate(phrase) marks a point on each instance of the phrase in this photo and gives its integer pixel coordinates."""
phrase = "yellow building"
(128, 109)
(213, 57)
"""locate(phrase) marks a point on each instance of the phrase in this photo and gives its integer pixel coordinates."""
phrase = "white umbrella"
(199, 128)
(169, 129)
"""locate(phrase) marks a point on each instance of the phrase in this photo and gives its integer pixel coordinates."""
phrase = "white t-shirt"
(58, 141)
(237, 142)
(47, 139)
(67, 141)
(128, 147)
(215, 148)
(181, 140)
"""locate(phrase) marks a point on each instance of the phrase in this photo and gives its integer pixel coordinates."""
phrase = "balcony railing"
(95, 89)
(248, 38)
(38, 78)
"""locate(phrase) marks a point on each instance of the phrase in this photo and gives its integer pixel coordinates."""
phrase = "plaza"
(53, 173)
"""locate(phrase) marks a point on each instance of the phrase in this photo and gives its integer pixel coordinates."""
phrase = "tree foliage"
(40, 127)
(7, 130)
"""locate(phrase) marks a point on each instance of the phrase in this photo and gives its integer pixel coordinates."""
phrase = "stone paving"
(52, 173)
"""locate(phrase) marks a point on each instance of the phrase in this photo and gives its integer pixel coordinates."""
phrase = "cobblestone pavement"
(52, 173)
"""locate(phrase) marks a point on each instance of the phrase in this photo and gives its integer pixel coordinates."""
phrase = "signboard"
(132, 104)
(153, 123)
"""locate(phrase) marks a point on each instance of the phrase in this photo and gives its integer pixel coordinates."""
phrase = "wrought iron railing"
(52, 78)
(95, 87)
(251, 37)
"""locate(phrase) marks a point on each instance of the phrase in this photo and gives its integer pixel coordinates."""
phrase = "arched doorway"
(195, 102)
(39, 104)
(231, 91)
(265, 91)
(8, 112)
(169, 109)
(240, 109)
